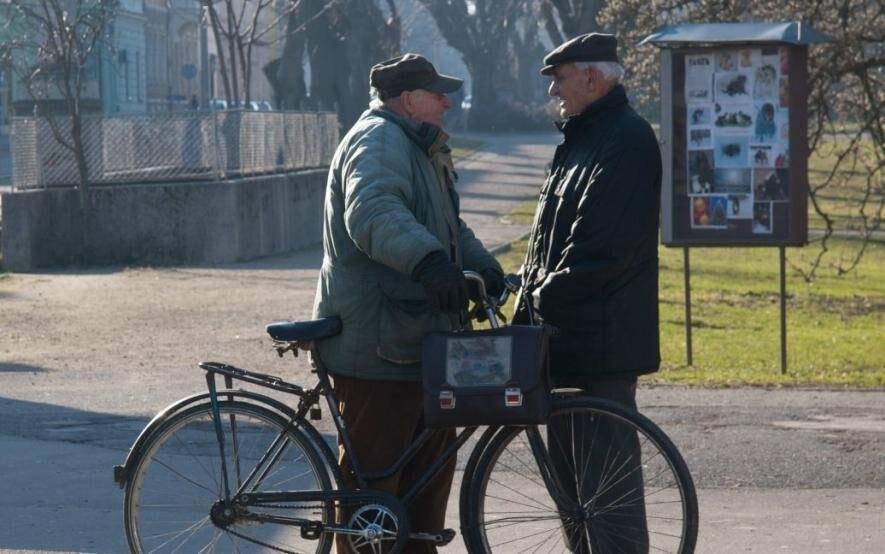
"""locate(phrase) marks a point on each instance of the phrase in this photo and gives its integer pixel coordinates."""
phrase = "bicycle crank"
(373, 528)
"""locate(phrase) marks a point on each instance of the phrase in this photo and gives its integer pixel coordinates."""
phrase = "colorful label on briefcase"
(478, 361)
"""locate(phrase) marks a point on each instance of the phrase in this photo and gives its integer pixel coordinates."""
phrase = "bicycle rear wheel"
(609, 480)
(178, 478)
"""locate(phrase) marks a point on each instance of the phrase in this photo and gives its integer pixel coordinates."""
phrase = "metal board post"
(783, 265)
(686, 270)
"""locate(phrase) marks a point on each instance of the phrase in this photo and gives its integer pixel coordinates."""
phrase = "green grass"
(842, 198)
(835, 334)
(523, 213)
(464, 146)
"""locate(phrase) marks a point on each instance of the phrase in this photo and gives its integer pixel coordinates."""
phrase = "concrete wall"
(161, 224)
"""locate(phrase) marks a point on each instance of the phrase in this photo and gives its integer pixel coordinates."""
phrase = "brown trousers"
(382, 419)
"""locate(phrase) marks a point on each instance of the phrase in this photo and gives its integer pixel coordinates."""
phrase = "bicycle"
(235, 470)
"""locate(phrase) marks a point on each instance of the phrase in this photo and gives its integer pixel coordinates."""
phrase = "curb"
(501, 248)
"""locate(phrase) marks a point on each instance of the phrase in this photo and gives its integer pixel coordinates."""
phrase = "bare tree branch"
(50, 46)
(846, 127)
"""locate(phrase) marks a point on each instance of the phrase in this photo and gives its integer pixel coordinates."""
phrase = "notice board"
(733, 134)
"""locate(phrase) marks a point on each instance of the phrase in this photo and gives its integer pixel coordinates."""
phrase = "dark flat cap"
(410, 72)
(592, 47)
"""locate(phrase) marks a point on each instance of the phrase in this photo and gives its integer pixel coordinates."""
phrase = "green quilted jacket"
(390, 201)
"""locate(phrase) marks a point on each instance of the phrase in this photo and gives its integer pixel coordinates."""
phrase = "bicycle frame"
(245, 492)
(308, 399)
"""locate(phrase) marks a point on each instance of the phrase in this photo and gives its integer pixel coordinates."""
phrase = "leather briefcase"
(489, 377)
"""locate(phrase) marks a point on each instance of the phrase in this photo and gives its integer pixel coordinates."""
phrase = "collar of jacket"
(429, 138)
(616, 97)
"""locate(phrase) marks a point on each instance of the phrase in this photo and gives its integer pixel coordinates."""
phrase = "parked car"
(217, 104)
(252, 106)
(265, 106)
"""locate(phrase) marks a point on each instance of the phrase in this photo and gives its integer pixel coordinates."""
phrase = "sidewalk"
(505, 172)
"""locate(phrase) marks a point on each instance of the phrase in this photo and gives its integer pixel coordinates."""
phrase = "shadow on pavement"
(49, 422)
(12, 367)
(57, 467)
(57, 463)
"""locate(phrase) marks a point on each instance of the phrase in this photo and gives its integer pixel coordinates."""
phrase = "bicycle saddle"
(292, 331)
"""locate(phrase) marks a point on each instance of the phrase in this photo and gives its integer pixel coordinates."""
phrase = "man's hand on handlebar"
(443, 282)
(494, 280)
(486, 296)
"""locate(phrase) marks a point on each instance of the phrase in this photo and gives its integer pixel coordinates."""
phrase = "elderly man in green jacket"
(395, 248)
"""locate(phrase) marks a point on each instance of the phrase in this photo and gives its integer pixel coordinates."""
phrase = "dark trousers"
(382, 419)
(598, 465)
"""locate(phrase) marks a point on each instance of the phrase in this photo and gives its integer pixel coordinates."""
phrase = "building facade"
(123, 75)
(172, 30)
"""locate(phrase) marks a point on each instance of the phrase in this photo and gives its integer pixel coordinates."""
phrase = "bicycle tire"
(177, 478)
(510, 507)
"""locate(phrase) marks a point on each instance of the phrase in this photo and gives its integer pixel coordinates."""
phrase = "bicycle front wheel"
(598, 478)
(178, 479)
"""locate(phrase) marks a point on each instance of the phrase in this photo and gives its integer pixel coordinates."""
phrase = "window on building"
(123, 59)
(4, 98)
(138, 75)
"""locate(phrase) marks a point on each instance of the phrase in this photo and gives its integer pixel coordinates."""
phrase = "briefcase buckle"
(513, 397)
(446, 400)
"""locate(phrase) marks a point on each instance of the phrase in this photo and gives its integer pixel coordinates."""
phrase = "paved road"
(87, 356)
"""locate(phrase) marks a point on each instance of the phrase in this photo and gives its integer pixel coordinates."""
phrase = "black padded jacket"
(592, 264)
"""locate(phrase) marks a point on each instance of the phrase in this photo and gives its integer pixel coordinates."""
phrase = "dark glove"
(494, 282)
(443, 282)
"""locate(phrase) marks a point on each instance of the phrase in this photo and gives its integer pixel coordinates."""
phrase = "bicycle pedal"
(312, 530)
(442, 538)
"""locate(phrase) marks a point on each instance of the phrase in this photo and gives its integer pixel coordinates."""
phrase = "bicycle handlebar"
(512, 283)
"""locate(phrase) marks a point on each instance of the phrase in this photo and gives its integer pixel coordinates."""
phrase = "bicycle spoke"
(165, 506)
(511, 501)
(186, 478)
(211, 474)
(633, 497)
(520, 493)
(537, 545)
(211, 544)
(517, 521)
(190, 529)
(511, 541)
(590, 449)
(529, 467)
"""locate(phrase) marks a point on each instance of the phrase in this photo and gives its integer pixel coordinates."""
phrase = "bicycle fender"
(121, 472)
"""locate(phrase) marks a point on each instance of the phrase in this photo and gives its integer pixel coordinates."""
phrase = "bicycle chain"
(281, 507)
(258, 542)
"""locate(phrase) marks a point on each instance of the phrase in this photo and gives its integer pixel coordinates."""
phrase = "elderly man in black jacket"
(592, 267)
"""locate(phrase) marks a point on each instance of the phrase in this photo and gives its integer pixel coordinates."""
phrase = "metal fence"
(172, 147)
(5, 157)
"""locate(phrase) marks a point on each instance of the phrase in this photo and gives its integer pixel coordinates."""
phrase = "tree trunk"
(80, 157)
(288, 75)
(485, 110)
(232, 50)
(219, 47)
